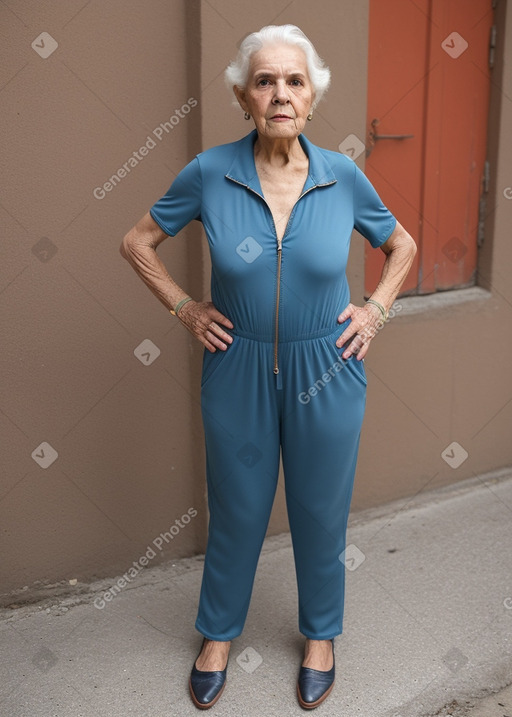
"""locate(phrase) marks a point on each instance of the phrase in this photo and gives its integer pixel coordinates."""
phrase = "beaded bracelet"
(380, 307)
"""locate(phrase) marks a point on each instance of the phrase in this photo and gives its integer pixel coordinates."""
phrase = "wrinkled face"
(279, 93)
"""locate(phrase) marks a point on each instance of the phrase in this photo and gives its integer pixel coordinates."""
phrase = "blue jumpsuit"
(281, 383)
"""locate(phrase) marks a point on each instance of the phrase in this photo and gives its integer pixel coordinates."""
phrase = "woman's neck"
(278, 152)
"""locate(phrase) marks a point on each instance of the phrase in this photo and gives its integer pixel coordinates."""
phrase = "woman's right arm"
(202, 319)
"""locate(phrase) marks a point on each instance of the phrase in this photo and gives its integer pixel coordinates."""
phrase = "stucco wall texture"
(100, 415)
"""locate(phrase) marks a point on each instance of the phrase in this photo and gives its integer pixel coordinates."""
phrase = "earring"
(310, 116)
(247, 116)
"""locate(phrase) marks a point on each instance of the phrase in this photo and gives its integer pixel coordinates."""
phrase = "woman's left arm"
(400, 250)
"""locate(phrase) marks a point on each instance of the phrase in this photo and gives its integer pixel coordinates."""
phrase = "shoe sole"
(205, 705)
(312, 705)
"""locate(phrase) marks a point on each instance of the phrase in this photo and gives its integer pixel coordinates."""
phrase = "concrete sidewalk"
(495, 705)
(428, 623)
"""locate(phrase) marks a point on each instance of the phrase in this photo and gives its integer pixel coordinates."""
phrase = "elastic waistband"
(319, 333)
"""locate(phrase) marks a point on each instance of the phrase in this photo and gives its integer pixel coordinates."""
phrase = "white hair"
(237, 71)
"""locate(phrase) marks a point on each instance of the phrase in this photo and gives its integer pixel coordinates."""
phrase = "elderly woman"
(282, 364)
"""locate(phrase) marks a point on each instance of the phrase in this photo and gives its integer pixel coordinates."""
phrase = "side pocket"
(359, 369)
(352, 364)
(357, 366)
(213, 361)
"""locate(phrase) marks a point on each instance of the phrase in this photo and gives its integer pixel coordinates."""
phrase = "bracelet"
(181, 303)
(382, 310)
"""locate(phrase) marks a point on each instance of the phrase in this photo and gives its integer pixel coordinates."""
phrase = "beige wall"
(129, 436)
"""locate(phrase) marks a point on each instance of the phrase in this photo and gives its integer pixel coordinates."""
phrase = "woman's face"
(279, 93)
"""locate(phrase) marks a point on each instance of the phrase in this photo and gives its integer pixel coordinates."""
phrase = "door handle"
(374, 136)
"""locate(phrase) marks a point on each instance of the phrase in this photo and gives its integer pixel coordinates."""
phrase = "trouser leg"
(320, 446)
(242, 465)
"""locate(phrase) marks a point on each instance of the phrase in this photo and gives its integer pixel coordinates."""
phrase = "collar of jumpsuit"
(243, 168)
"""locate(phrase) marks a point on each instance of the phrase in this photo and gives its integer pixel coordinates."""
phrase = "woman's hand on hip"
(203, 321)
(365, 322)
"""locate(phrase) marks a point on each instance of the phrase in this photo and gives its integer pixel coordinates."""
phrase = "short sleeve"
(182, 201)
(371, 218)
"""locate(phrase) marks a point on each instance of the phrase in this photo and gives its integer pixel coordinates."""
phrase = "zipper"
(278, 280)
(278, 293)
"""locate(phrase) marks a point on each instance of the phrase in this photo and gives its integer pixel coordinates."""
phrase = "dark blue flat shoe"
(206, 686)
(313, 686)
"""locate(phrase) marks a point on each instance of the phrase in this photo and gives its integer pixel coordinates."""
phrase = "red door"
(429, 76)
